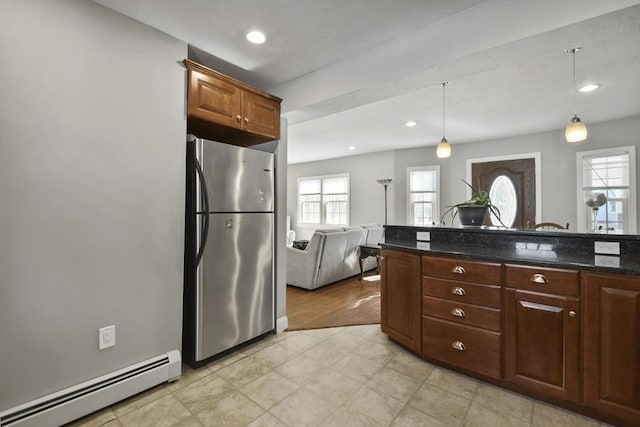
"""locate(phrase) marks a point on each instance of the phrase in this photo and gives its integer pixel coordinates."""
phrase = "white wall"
(281, 230)
(367, 196)
(92, 156)
(558, 171)
(558, 164)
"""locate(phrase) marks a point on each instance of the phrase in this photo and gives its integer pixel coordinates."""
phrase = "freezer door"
(238, 179)
(235, 282)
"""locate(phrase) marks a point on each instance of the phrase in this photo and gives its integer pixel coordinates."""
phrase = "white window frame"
(631, 218)
(322, 203)
(436, 208)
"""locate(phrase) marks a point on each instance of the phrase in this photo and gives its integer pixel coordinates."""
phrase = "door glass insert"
(503, 196)
(521, 173)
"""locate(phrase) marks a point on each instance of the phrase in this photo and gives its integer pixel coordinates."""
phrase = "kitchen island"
(554, 315)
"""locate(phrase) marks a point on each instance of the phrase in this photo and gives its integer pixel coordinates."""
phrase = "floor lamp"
(385, 182)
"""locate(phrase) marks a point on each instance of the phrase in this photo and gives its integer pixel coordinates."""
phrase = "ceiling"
(352, 72)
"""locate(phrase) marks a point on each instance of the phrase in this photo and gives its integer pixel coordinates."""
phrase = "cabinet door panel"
(542, 327)
(261, 115)
(612, 344)
(542, 342)
(620, 324)
(400, 298)
(214, 99)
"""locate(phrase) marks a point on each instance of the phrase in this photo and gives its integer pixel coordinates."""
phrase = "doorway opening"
(513, 183)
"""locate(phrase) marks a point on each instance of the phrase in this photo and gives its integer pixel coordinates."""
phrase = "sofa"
(331, 255)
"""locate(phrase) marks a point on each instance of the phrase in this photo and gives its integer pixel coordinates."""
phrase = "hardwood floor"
(348, 302)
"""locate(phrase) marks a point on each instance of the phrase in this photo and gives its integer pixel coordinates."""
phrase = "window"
(324, 200)
(504, 197)
(424, 195)
(610, 172)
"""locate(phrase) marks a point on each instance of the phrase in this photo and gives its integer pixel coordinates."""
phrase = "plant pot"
(472, 215)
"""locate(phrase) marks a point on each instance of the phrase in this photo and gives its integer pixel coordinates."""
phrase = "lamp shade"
(444, 149)
(576, 130)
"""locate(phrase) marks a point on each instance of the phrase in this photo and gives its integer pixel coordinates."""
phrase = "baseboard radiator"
(82, 399)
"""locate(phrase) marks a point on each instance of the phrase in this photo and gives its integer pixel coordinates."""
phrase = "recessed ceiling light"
(410, 124)
(256, 37)
(351, 147)
(589, 88)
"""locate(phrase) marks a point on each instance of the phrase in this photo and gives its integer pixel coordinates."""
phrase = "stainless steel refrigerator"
(228, 286)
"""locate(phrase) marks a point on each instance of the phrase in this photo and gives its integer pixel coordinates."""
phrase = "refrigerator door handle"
(205, 212)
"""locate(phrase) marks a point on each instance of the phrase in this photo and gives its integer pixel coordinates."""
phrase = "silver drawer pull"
(458, 345)
(458, 312)
(457, 291)
(458, 269)
(572, 313)
(539, 278)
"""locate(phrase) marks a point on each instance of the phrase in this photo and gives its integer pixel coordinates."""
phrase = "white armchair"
(303, 264)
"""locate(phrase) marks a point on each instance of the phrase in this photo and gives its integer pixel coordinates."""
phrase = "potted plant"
(474, 210)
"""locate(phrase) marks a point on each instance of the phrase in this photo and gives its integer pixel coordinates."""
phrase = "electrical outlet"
(423, 235)
(425, 246)
(609, 248)
(607, 261)
(106, 337)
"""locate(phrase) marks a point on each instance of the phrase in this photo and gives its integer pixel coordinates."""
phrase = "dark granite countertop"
(555, 250)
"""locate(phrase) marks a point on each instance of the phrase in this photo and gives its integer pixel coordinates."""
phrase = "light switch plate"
(609, 248)
(423, 236)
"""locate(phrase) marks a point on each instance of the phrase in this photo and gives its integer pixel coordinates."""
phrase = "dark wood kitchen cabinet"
(461, 313)
(542, 331)
(536, 313)
(612, 345)
(400, 297)
(222, 108)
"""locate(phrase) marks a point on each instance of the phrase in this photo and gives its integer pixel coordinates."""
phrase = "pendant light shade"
(444, 148)
(576, 130)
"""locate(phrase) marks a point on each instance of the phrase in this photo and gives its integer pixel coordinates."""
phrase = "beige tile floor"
(349, 376)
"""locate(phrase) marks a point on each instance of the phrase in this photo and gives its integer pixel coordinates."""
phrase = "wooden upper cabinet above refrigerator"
(227, 110)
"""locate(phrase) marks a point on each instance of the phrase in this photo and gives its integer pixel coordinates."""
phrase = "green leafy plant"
(480, 198)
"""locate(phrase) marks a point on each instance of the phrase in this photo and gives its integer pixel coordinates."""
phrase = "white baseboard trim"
(79, 400)
(282, 323)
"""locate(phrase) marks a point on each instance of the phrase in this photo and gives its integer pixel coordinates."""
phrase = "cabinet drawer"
(477, 350)
(462, 270)
(458, 312)
(471, 293)
(543, 280)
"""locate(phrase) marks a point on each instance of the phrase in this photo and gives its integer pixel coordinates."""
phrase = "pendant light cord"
(576, 130)
(443, 109)
(575, 111)
(573, 55)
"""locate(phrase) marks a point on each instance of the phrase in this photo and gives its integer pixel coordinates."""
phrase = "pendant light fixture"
(576, 130)
(444, 148)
